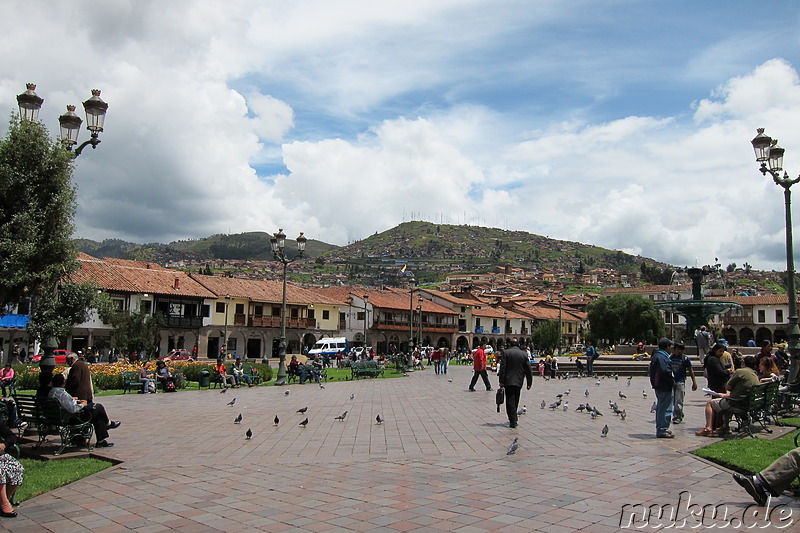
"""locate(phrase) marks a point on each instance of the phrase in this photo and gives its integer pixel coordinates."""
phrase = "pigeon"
(286, 392)
(586, 393)
(352, 396)
(232, 402)
(554, 405)
(596, 412)
(378, 419)
(621, 396)
(653, 408)
(622, 414)
(303, 410)
(594, 415)
(581, 407)
(304, 423)
(224, 390)
(566, 392)
(597, 382)
(644, 394)
(450, 380)
(559, 396)
(248, 434)
(629, 382)
(321, 386)
(521, 411)
(605, 430)
(513, 448)
(341, 416)
(565, 406)
(238, 419)
(276, 420)
(543, 404)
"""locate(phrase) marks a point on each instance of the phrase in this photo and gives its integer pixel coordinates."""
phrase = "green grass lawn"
(747, 455)
(44, 476)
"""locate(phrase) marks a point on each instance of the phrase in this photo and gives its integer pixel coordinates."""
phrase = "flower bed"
(108, 376)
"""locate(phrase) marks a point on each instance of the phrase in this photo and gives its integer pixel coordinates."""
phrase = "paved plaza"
(437, 463)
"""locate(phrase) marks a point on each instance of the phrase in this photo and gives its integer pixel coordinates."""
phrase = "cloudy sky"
(622, 123)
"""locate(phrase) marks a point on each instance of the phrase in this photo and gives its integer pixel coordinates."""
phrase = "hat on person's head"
(664, 343)
(71, 355)
(679, 344)
(723, 341)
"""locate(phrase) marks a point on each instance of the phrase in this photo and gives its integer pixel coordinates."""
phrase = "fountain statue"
(697, 311)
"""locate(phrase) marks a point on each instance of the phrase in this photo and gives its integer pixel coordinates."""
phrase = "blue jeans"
(663, 410)
(443, 366)
(679, 393)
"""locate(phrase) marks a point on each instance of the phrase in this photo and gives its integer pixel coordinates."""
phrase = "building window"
(239, 309)
(258, 310)
(779, 315)
(360, 316)
(762, 316)
(325, 314)
(118, 304)
(220, 307)
(276, 311)
(147, 307)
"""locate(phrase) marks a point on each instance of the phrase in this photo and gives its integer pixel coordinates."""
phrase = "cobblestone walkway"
(437, 463)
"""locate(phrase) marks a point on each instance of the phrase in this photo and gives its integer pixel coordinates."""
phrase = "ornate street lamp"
(278, 243)
(366, 314)
(30, 104)
(770, 155)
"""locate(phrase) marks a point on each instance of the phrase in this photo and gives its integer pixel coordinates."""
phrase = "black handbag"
(499, 398)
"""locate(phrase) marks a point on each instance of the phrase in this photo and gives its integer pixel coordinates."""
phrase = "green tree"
(547, 336)
(624, 317)
(37, 205)
(137, 331)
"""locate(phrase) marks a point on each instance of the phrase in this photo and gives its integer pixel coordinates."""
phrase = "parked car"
(177, 355)
(60, 356)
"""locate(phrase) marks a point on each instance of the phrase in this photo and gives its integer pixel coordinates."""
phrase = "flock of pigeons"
(562, 403)
(249, 433)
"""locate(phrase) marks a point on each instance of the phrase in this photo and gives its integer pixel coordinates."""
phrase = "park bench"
(49, 418)
(255, 378)
(368, 369)
(759, 407)
(295, 378)
(131, 381)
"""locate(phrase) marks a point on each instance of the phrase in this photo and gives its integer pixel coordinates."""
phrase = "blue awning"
(14, 321)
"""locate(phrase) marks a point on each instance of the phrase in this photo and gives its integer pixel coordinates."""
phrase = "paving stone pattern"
(437, 463)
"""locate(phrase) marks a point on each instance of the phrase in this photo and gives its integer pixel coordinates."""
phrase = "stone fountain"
(697, 311)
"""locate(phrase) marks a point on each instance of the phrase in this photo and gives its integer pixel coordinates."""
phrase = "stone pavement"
(437, 463)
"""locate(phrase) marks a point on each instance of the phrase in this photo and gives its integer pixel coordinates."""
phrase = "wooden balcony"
(403, 325)
(264, 321)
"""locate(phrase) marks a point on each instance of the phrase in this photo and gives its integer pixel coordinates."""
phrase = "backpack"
(170, 386)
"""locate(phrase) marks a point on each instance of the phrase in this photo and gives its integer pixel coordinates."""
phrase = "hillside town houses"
(241, 316)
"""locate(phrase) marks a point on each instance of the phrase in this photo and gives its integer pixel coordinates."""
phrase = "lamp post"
(770, 155)
(278, 243)
(420, 320)
(29, 106)
(366, 314)
(95, 108)
(225, 333)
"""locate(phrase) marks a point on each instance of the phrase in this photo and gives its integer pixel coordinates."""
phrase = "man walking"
(662, 380)
(479, 366)
(703, 340)
(680, 366)
(514, 368)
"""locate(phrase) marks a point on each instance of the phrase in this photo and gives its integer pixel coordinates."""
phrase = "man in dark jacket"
(514, 368)
(662, 379)
(79, 380)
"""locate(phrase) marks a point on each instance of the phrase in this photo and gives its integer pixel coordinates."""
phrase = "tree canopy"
(547, 336)
(624, 317)
(37, 205)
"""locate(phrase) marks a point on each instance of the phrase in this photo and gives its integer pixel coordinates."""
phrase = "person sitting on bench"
(100, 419)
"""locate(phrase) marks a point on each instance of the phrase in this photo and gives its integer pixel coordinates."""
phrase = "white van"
(330, 346)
